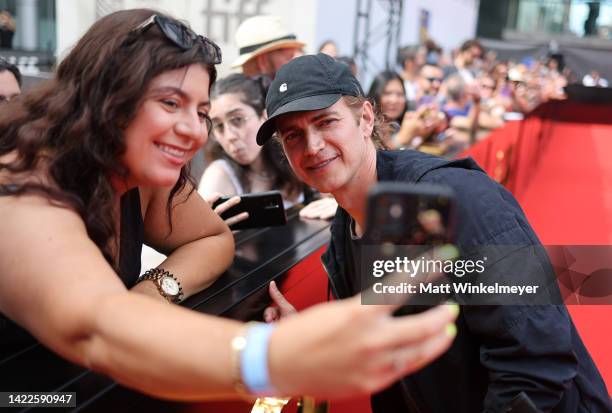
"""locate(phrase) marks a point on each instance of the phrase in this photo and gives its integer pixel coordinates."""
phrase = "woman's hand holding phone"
(224, 206)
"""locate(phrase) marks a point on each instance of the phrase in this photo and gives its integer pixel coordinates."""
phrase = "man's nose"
(314, 142)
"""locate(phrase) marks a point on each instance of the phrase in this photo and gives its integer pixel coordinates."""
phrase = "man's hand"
(324, 208)
(281, 307)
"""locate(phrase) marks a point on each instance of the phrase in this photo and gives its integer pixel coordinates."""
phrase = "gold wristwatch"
(167, 284)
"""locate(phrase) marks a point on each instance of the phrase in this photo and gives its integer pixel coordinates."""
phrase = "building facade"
(51, 27)
(578, 30)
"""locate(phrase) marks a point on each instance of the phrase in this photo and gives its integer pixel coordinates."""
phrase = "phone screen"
(406, 222)
(410, 214)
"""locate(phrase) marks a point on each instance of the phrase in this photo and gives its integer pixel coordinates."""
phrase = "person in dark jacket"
(506, 358)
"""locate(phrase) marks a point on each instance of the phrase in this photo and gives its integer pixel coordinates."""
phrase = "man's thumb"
(279, 299)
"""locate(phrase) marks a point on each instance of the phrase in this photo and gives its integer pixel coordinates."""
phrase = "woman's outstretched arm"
(55, 283)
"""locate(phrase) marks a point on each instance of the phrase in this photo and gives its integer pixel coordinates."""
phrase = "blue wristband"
(254, 359)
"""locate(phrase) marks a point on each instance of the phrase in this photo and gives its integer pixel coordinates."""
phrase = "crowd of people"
(446, 103)
(94, 164)
(235, 163)
(434, 103)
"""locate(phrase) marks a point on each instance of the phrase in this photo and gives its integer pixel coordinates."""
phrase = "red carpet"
(559, 167)
(569, 197)
(569, 202)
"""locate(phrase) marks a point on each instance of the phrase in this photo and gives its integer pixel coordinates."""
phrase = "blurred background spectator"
(265, 45)
(7, 29)
(10, 81)
(594, 79)
(389, 97)
(350, 62)
(329, 47)
(407, 61)
(467, 61)
(429, 82)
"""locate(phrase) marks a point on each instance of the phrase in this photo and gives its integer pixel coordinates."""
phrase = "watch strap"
(156, 275)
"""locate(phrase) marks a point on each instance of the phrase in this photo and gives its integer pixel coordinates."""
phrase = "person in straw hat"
(265, 45)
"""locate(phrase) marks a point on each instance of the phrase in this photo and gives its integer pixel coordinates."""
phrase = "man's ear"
(367, 119)
(263, 64)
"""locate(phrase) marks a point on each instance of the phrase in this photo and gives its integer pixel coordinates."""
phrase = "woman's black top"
(131, 234)
(131, 237)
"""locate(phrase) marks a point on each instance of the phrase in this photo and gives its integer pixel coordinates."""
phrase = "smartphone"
(406, 221)
(401, 213)
(265, 209)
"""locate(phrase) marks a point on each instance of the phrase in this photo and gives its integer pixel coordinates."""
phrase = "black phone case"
(392, 224)
(265, 210)
(392, 213)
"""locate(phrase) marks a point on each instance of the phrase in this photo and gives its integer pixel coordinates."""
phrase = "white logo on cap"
(283, 88)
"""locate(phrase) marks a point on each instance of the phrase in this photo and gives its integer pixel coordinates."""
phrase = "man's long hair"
(382, 128)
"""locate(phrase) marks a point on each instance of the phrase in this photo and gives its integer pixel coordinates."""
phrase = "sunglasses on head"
(181, 35)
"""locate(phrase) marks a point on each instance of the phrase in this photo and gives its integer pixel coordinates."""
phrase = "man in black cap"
(505, 358)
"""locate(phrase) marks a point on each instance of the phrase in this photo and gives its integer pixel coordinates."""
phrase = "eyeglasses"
(434, 79)
(237, 122)
(181, 35)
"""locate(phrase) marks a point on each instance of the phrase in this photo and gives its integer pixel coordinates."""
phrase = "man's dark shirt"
(500, 351)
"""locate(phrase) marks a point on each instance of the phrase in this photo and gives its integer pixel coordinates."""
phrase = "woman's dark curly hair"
(71, 127)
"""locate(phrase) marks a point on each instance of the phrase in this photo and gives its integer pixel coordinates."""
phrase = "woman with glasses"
(92, 164)
(239, 165)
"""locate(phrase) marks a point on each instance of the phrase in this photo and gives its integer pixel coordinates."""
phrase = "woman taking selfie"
(93, 164)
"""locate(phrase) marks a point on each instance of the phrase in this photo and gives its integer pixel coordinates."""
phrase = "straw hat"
(262, 34)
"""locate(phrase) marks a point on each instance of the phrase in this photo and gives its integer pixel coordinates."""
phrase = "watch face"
(170, 286)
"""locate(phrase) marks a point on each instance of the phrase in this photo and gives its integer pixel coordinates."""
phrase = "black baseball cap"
(310, 82)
